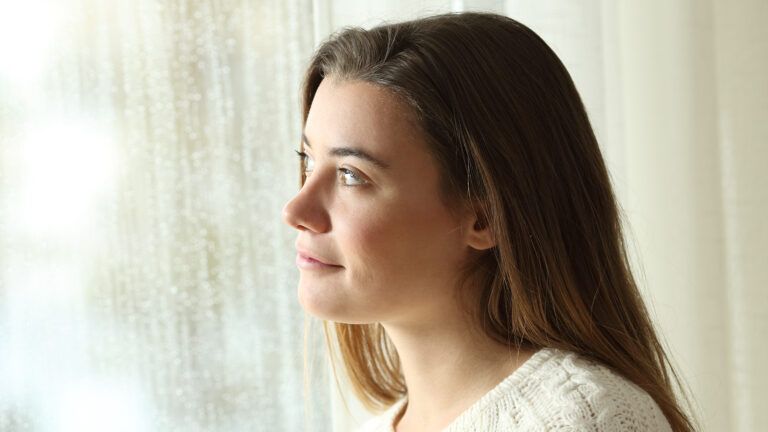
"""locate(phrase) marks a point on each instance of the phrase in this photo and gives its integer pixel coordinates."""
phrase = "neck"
(447, 367)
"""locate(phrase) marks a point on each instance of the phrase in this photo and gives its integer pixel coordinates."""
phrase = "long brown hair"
(506, 125)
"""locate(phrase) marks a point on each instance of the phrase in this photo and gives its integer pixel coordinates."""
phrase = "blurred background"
(147, 282)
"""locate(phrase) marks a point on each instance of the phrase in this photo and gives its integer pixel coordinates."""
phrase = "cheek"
(371, 245)
(410, 244)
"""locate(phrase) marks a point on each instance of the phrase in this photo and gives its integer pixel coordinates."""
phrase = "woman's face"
(396, 247)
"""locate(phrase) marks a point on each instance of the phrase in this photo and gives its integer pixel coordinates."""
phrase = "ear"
(477, 231)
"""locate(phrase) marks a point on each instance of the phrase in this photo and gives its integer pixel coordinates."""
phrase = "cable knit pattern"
(553, 390)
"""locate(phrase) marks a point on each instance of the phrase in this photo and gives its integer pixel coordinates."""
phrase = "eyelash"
(304, 155)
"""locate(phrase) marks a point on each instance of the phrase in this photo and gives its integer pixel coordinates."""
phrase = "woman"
(457, 223)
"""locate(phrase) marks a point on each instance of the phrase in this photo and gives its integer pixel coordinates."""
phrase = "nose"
(305, 211)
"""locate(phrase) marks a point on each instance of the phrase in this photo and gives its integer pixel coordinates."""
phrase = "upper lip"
(314, 256)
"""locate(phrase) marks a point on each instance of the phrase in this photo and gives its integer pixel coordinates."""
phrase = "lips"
(315, 257)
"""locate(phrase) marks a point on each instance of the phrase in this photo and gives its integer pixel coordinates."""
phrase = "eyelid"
(354, 173)
(344, 170)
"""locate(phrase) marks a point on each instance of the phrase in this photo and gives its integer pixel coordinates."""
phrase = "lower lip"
(310, 264)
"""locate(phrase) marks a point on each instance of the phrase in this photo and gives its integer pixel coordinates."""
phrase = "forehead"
(364, 114)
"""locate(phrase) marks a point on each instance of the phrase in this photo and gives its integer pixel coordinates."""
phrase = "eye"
(305, 161)
(349, 174)
(345, 173)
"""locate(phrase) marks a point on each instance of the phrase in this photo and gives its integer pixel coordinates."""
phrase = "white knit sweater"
(553, 390)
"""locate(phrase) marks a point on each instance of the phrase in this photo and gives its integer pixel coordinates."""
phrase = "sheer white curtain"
(678, 96)
(146, 280)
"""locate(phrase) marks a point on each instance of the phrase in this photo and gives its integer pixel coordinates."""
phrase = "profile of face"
(396, 248)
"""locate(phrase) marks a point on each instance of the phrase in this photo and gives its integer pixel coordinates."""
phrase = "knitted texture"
(554, 390)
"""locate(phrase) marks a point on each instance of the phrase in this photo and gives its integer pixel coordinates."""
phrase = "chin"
(319, 304)
(329, 308)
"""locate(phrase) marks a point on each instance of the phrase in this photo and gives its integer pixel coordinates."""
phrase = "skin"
(399, 249)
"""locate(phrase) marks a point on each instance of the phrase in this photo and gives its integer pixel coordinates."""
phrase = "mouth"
(309, 263)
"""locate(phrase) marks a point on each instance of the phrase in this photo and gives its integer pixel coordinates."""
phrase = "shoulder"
(573, 391)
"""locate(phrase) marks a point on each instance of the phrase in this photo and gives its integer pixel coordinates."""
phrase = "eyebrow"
(350, 151)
